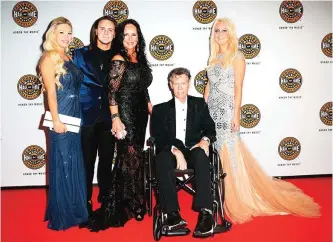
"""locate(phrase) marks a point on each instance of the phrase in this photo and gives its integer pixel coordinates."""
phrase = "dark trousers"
(96, 138)
(197, 160)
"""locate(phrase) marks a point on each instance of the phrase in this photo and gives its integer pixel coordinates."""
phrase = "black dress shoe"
(140, 213)
(89, 207)
(174, 221)
(205, 225)
(90, 211)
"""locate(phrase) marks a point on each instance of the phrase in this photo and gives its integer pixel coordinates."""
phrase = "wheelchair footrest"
(178, 232)
(222, 228)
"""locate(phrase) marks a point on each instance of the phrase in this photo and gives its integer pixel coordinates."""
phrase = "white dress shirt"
(181, 115)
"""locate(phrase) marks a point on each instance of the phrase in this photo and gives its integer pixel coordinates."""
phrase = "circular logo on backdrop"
(29, 87)
(291, 11)
(200, 81)
(118, 10)
(250, 116)
(291, 80)
(326, 45)
(249, 45)
(25, 14)
(33, 157)
(204, 11)
(76, 43)
(289, 148)
(161, 47)
(325, 113)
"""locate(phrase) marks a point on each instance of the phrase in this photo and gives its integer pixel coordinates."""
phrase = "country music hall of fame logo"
(289, 148)
(291, 11)
(326, 45)
(25, 14)
(290, 80)
(34, 157)
(76, 43)
(325, 113)
(250, 116)
(29, 87)
(161, 47)
(118, 10)
(204, 11)
(249, 45)
(200, 81)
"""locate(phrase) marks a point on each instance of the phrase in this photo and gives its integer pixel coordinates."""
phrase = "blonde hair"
(50, 48)
(232, 44)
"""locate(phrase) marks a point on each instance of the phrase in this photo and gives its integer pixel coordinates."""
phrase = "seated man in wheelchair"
(183, 130)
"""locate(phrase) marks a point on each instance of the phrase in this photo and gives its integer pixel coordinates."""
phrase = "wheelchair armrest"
(187, 171)
(151, 141)
(213, 148)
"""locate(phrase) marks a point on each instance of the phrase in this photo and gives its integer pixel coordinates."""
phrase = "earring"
(137, 48)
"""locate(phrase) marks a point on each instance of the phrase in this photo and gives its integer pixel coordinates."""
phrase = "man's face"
(180, 85)
(105, 32)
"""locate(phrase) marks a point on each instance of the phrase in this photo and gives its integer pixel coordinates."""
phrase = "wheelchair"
(160, 227)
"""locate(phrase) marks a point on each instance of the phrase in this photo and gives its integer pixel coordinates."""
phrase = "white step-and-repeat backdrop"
(287, 97)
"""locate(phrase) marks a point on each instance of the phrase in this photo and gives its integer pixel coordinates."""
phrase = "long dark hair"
(118, 46)
(94, 27)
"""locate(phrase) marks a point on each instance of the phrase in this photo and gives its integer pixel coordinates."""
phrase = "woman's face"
(221, 33)
(105, 31)
(63, 35)
(131, 37)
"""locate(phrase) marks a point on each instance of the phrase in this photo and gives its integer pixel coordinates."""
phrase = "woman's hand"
(118, 128)
(235, 123)
(59, 127)
(150, 108)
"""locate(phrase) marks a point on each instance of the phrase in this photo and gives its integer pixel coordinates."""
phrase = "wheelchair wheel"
(157, 227)
(216, 211)
(145, 181)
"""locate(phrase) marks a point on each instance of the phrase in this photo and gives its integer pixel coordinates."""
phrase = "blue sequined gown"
(67, 190)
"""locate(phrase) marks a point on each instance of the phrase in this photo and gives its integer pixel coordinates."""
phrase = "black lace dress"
(128, 89)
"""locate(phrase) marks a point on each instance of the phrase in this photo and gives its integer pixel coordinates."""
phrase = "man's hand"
(181, 162)
(203, 144)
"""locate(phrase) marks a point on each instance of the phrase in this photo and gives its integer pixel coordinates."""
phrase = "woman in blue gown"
(67, 190)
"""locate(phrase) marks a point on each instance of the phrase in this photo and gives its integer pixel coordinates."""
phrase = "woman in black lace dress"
(130, 76)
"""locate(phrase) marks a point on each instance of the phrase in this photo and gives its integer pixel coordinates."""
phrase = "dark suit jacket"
(199, 123)
(93, 91)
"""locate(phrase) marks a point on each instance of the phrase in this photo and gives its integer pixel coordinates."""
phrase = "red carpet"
(23, 211)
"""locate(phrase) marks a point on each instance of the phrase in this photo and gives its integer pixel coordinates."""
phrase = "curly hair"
(50, 48)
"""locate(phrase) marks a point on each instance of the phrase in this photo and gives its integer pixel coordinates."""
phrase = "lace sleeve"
(117, 70)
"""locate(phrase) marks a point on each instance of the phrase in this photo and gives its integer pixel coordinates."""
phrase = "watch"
(206, 139)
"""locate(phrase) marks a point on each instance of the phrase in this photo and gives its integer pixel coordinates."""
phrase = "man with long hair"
(93, 60)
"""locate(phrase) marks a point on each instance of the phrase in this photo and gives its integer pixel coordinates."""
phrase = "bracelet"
(116, 115)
